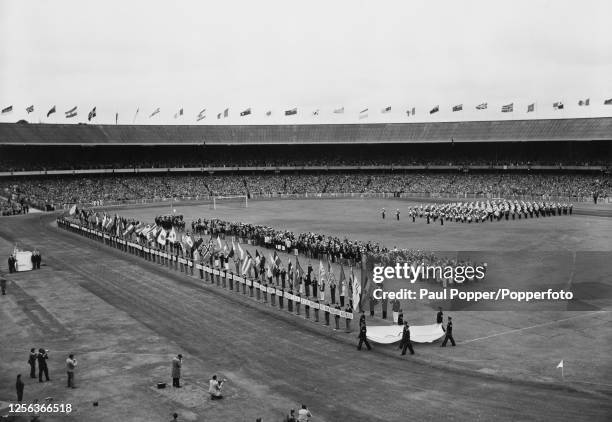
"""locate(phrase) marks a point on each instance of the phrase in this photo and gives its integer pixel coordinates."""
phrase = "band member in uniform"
(449, 333)
(32, 362)
(406, 343)
(440, 316)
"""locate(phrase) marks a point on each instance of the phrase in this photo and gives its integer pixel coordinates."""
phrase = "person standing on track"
(383, 213)
(397, 214)
(449, 333)
(71, 364)
(406, 343)
(363, 338)
(32, 362)
(42, 365)
(177, 363)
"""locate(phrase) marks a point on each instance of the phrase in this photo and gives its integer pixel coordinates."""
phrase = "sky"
(120, 56)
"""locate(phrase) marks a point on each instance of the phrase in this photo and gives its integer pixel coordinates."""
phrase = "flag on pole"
(363, 114)
(161, 239)
(240, 251)
(200, 118)
(481, 106)
(72, 210)
(156, 111)
(291, 112)
(508, 108)
(316, 112)
(116, 118)
(458, 107)
(247, 264)
(202, 114)
(218, 116)
(72, 110)
(342, 281)
(277, 261)
(135, 114)
(226, 112)
(434, 110)
(172, 236)
(7, 110)
(560, 365)
(51, 111)
(339, 110)
(558, 105)
(321, 272)
(269, 113)
(245, 112)
(71, 115)
(91, 114)
(386, 109)
(219, 242)
(356, 290)
(178, 113)
(608, 102)
(413, 111)
(584, 102)
(531, 108)
(30, 109)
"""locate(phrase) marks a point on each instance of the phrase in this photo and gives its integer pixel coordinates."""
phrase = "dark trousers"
(333, 295)
(447, 338)
(43, 370)
(3, 291)
(32, 370)
(406, 345)
(342, 301)
(20, 395)
(362, 341)
(70, 379)
(176, 382)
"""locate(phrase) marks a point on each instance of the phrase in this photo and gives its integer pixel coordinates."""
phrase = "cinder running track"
(273, 352)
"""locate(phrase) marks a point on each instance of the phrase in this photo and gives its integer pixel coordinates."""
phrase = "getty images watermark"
(456, 274)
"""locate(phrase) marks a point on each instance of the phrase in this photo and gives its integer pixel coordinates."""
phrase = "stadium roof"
(587, 129)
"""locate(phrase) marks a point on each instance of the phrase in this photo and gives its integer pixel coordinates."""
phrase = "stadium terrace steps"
(579, 129)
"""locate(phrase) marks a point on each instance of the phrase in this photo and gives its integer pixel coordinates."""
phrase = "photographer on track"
(214, 388)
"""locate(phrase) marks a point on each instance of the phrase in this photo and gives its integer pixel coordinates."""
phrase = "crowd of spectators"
(103, 189)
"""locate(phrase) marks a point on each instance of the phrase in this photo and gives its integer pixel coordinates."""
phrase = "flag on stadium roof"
(218, 116)
(339, 110)
(585, 102)
(71, 115)
(481, 106)
(363, 114)
(156, 111)
(413, 111)
(91, 114)
(269, 113)
(200, 117)
(316, 112)
(30, 109)
(116, 118)
(51, 111)
(558, 105)
(202, 113)
(408, 112)
(178, 114)
(458, 107)
(507, 108)
(226, 112)
(386, 109)
(72, 110)
(608, 102)
(246, 112)
(434, 110)
(7, 109)
(531, 107)
(291, 112)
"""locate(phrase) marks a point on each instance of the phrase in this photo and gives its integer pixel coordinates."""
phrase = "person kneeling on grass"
(214, 388)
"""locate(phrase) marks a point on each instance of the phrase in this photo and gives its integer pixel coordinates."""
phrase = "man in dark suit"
(32, 362)
(42, 365)
(363, 338)
(406, 343)
(449, 333)
(439, 316)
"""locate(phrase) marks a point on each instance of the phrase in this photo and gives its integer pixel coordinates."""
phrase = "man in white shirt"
(71, 364)
(304, 414)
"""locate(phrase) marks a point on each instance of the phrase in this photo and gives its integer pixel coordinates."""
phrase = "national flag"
(585, 102)
(369, 287)
(72, 210)
(135, 115)
(72, 110)
(330, 274)
(291, 112)
(560, 365)
(156, 111)
(413, 111)
(246, 112)
(356, 284)
(51, 111)
(71, 115)
(531, 108)
(608, 102)
(30, 109)
(241, 252)
(178, 114)
(202, 113)
(200, 118)
(507, 108)
(321, 272)
(386, 109)
(7, 110)
(363, 114)
(339, 110)
(188, 240)
(218, 116)
(219, 244)
(481, 106)
(558, 105)
(316, 112)
(172, 236)
(269, 113)
(232, 251)
(276, 260)
(458, 107)
(197, 243)
(116, 118)
(91, 114)
(128, 230)
(226, 112)
(247, 264)
(342, 280)
(161, 239)
(434, 110)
